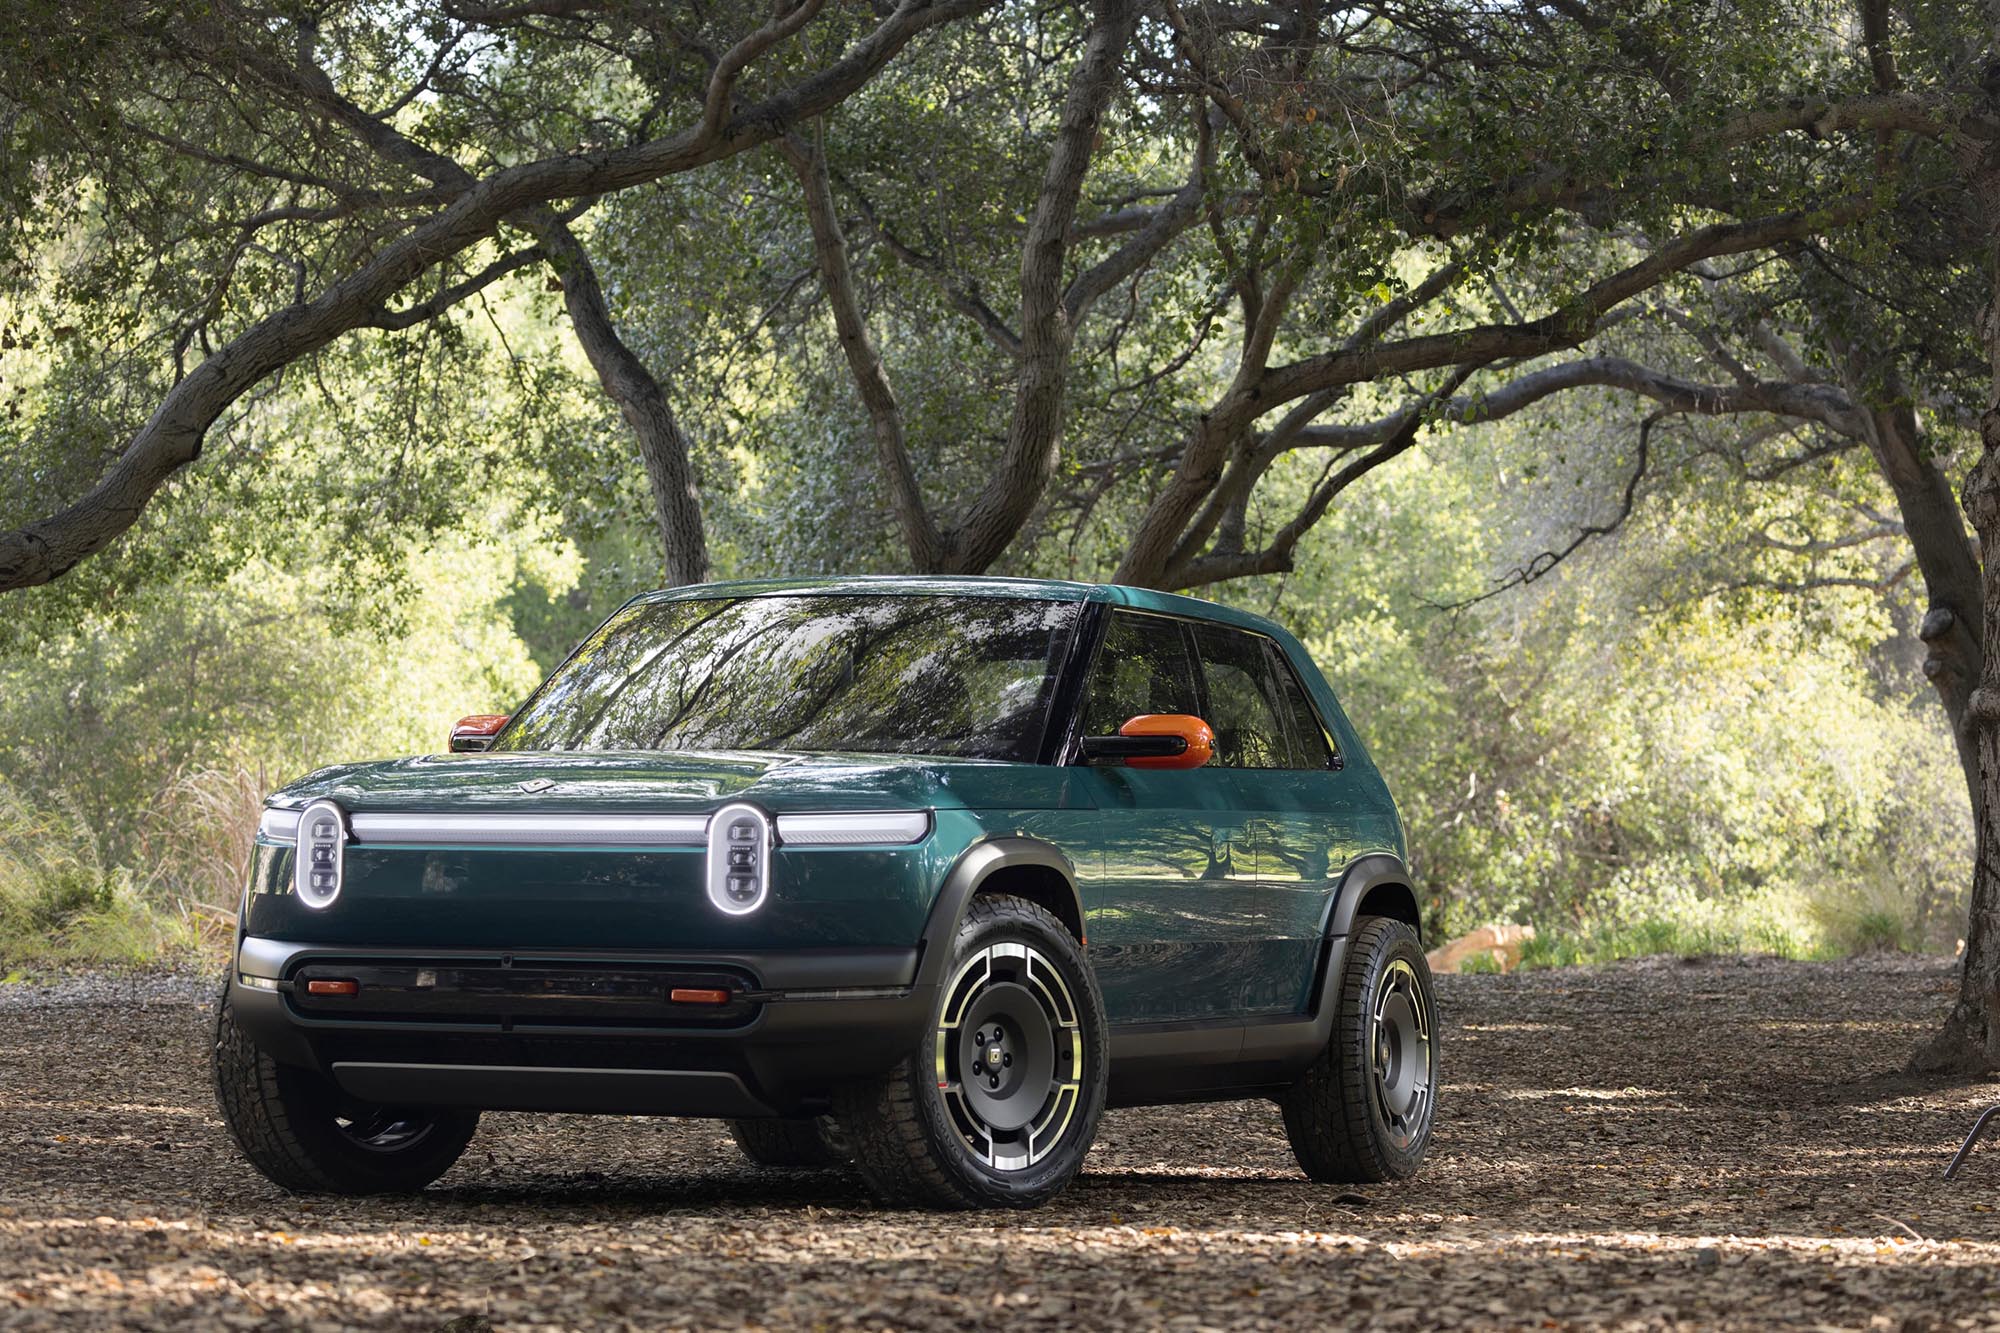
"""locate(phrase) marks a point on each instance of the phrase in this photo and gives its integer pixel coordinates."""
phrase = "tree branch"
(1567, 327)
(423, 311)
(722, 81)
(1034, 435)
(1277, 555)
(1167, 222)
(1540, 565)
(871, 380)
(962, 298)
(1823, 404)
(44, 549)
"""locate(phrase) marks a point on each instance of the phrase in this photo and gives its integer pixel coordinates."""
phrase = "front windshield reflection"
(967, 677)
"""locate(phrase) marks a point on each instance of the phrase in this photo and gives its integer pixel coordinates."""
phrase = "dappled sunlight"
(1515, 1027)
(1583, 1094)
(85, 1108)
(1735, 1174)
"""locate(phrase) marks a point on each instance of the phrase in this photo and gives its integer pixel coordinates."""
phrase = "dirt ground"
(1661, 1143)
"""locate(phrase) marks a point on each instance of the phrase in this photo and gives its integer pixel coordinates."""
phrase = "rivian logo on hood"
(536, 786)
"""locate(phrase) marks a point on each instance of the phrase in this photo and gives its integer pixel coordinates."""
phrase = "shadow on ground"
(1655, 1143)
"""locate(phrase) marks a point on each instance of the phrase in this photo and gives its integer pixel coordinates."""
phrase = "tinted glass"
(1143, 667)
(1310, 746)
(960, 676)
(1243, 700)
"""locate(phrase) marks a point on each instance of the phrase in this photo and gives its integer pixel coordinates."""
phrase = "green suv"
(918, 873)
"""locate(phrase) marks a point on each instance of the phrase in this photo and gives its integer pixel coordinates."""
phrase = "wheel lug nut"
(1006, 1060)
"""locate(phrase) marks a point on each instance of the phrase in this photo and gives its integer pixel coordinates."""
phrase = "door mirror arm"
(1117, 749)
(1155, 740)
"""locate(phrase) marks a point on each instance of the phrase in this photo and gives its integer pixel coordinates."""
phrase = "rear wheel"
(999, 1103)
(806, 1143)
(304, 1134)
(1363, 1111)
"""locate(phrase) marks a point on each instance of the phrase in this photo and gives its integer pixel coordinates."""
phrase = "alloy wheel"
(1009, 1055)
(1399, 1053)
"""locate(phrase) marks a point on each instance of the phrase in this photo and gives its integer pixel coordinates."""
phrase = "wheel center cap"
(993, 1056)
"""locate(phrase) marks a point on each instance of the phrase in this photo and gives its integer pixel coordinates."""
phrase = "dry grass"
(173, 897)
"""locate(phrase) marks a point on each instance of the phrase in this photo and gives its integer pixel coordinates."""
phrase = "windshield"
(968, 677)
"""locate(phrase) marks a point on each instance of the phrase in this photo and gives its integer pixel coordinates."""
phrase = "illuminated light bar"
(739, 859)
(256, 983)
(279, 825)
(507, 830)
(889, 827)
(885, 828)
(697, 995)
(322, 987)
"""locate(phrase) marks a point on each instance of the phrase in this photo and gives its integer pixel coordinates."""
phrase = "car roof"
(928, 585)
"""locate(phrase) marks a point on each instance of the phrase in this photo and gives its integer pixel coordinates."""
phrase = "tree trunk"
(1970, 1041)
(925, 544)
(662, 447)
(1934, 525)
(995, 516)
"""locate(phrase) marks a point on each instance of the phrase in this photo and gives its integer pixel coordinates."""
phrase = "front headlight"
(739, 859)
(319, 864)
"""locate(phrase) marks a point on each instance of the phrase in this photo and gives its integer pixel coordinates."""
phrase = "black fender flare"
(1367, 873)
(975, 865)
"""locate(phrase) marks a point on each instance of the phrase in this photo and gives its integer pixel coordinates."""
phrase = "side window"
(1243, 700)
(1142, 667)
(1311, 747)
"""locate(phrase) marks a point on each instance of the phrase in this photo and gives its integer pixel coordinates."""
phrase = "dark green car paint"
(1209, 894)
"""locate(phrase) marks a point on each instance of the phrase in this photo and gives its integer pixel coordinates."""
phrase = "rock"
(1501, 943)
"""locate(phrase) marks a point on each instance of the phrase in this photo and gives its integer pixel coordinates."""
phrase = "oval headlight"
(739, 859)
(321, 854)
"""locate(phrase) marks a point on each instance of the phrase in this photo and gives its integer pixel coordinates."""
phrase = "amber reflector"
(694, 995)
(333, 987)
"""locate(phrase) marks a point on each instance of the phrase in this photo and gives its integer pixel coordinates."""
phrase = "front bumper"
(530, 1030)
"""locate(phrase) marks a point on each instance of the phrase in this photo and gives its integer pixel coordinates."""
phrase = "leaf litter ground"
(1654, 1144)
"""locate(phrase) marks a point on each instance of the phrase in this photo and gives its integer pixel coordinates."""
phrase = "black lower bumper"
(702, 1034)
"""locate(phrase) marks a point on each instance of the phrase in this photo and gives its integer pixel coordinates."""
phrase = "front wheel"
(307, 1136)
(999, 1102)
(1364, 1109)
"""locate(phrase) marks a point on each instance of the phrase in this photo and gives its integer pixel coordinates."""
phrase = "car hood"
(657, 781)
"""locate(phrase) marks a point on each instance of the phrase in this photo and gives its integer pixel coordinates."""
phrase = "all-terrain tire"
(1363, 1111)
(917, 1143)
(804, 1143)
(298, 1129)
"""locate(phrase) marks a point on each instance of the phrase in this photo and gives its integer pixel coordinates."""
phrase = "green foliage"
(136, 750)
(1655, 748)
(60, 900)
(1617, 753)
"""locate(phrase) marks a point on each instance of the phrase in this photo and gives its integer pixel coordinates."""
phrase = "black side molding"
(1156, 1063)
(1185, 1062)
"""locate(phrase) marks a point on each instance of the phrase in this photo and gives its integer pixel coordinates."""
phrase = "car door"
(1175, 852)
(1270, 926)
(1323, 819)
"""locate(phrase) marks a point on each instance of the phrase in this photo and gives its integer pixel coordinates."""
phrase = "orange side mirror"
(1197, 734)
(477, 732)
